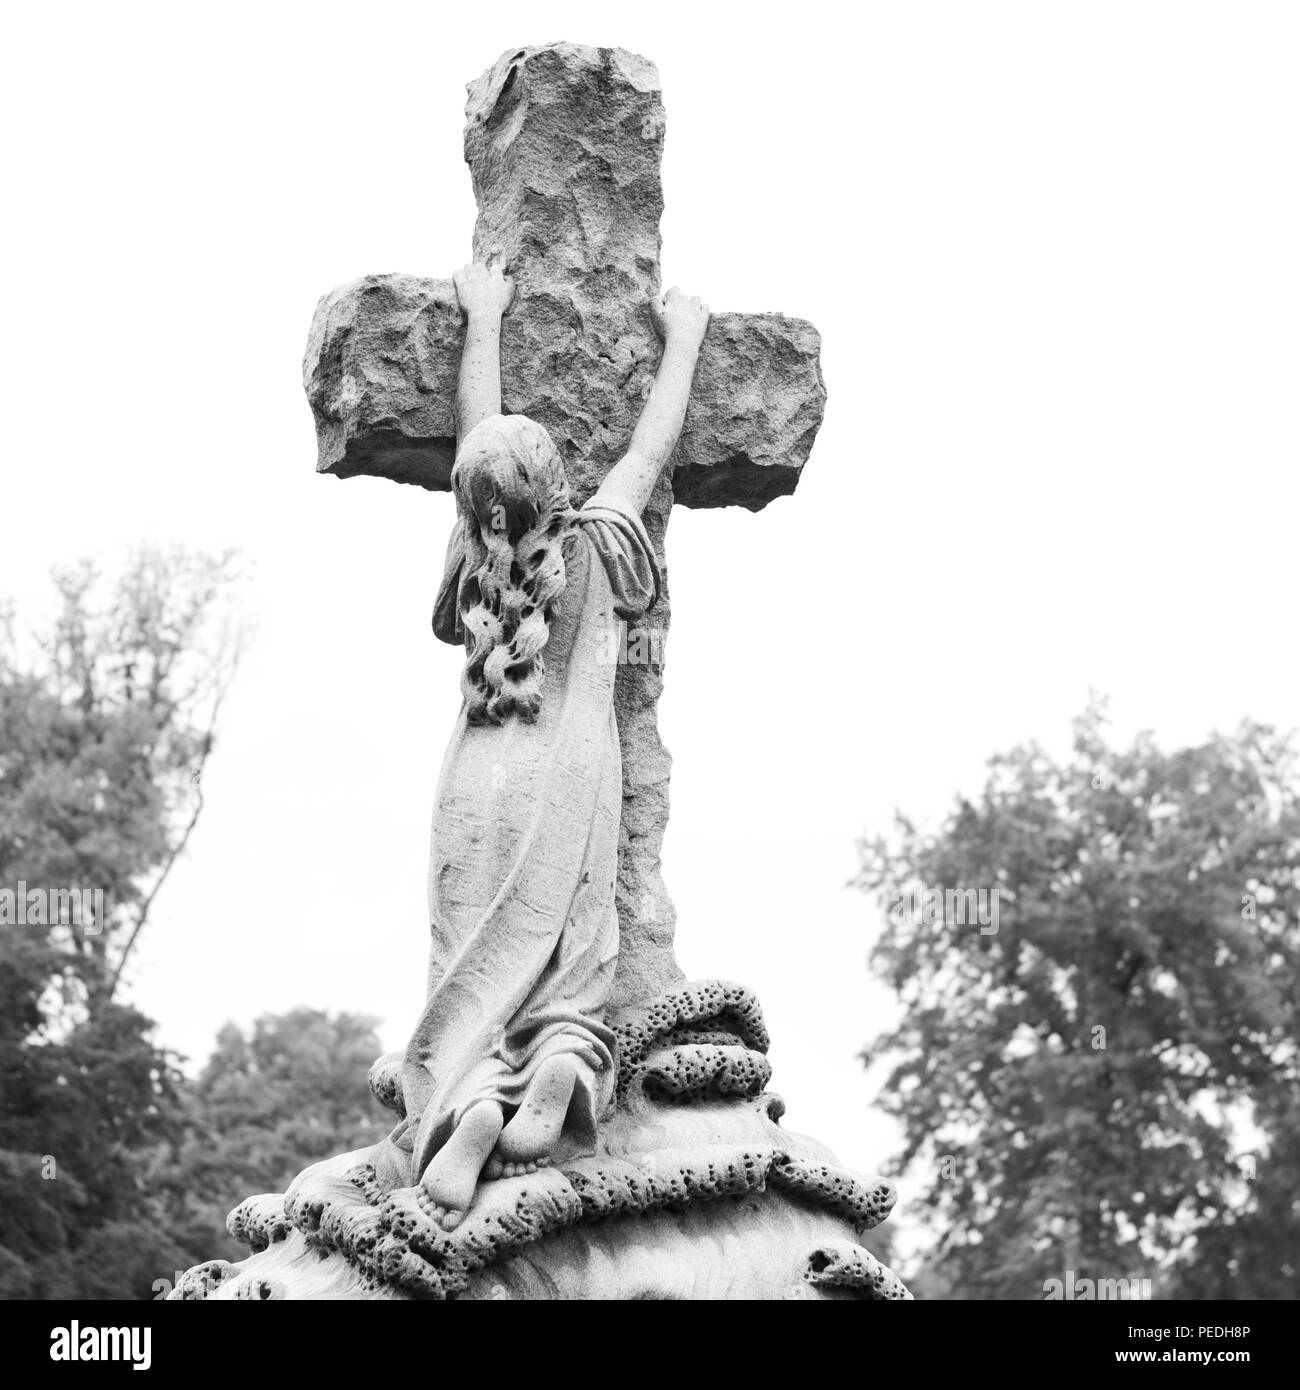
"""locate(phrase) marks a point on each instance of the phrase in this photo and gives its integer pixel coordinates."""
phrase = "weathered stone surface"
(564, 145)
(695, 1191)
(380, 373)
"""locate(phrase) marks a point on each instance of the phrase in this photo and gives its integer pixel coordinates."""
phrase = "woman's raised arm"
(484, 293)
(681, 320)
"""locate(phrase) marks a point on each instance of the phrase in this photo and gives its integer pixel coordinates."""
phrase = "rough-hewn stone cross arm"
(564, 146)
(381, 374)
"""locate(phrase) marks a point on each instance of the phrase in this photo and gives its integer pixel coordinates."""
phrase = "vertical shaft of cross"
(564, 147)
(564, 144)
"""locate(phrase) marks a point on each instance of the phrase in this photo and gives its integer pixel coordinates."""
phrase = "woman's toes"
(493, 1169)
(451, 1219)
(498, 1169)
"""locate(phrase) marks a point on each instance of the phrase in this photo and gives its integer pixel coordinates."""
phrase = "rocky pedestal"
(696, 1192)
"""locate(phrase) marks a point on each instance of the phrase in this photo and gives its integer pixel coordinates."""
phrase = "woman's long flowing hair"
(513, 501)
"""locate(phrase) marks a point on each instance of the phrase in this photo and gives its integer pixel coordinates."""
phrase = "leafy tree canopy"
(1105, 1078)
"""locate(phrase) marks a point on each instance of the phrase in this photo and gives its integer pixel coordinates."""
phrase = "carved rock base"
(696, 1192)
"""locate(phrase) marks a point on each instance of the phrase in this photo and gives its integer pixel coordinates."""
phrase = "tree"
(104, 730)
(268, 1103)
(1088, 1070)
(115, 1171)
(105, 735)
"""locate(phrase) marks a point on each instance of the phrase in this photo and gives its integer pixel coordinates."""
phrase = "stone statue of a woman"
(511, 1064)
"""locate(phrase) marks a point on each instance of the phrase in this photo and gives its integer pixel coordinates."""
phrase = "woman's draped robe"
(523, 928)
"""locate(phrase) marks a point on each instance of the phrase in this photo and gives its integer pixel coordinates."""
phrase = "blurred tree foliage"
(104, 732)
(1108, 1082)
(114, 1171)
(268, 1103)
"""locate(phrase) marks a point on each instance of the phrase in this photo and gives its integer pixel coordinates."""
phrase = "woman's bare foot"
(534, 1130)
(452, 1176)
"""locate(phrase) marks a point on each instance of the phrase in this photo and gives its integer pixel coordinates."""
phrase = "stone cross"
(564, 145)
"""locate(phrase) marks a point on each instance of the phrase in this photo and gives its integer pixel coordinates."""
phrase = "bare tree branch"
(176, 853)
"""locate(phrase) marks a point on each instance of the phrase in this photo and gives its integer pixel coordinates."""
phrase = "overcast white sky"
(1052, 250)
